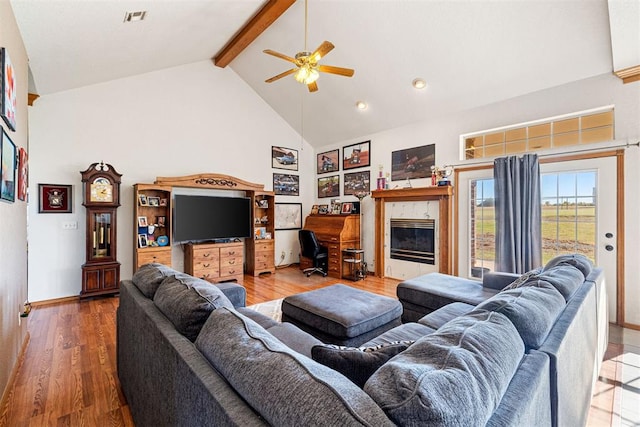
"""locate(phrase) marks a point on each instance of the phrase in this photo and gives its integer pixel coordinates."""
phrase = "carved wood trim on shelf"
(209, 180)
(628, 75)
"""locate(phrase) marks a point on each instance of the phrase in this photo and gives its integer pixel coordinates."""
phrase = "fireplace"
(413, 240)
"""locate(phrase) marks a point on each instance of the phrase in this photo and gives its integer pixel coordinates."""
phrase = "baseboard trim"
(55, 301)
(631, 326)
(9, 390)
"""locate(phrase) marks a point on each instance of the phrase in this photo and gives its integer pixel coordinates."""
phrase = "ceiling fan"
(307, 68)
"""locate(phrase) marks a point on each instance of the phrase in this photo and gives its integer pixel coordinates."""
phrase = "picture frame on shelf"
(55, 198)
(8, 166)
(142, 200)
(142, 241)
(356, 155)
(263, 203)
(347, 208)
(142, 221)
(161, 221)
(153, 201)
(288, 216)
(284, 158)
(327, 162)
(356, 181)
(23, 174)
(163, 202)
(286, 185)
(336, 208)
(329, 186)
(9, 90)
(323, 209)
(413, 163)
(314, 209)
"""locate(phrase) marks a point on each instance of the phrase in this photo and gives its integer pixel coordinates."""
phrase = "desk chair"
(311, 249)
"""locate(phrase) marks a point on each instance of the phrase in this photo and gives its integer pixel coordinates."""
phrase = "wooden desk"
(337, 233)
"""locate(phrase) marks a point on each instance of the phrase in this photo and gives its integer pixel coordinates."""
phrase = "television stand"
(215, 262)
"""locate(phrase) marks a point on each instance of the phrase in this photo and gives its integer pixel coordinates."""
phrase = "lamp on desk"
(361, 194)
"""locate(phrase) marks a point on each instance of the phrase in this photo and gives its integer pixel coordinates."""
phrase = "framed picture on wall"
(284, 158)
(356, 155)
(288, 216)
(55, 198)
(413, 163)
(286, 185)
(329, 186)
(8, 162)
(329, 161)
(8, 84)
(356, 181)
(23, 173)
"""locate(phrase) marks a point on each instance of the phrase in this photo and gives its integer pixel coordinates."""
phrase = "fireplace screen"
(413, 240)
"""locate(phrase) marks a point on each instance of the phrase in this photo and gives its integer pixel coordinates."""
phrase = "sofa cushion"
(437, 318)
(149, 276)
(406, 332)
(532, 310)
(578, 261)
(188, 301)
(286, 388)
(357, 363)
(565, 278)
(453, 377)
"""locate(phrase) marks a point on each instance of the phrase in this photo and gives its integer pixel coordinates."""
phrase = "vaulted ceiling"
(470, 53)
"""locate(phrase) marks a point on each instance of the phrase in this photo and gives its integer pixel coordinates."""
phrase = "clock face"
(101, 190)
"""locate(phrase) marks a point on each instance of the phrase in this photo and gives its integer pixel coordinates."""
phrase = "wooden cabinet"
(215, 262)
(337, 233)
(152, 224)
(261, 247)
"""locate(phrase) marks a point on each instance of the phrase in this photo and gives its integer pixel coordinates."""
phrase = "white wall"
(577, 96)
(186, 120)
(13, 216)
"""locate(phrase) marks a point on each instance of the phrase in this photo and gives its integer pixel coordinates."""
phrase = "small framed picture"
(8, 166)
(161, 221)
(153, 201)
(142, 241)
(329, 186)
(286, 185)
(329, 161)
(314, 209)
(356, 155)
(284, 158)
(142, 200)
(55, 198)
(142, 221)
(323, 209)
(356, 181)
(163, 202)
(335, 208)
(347, 208)
(263, 203)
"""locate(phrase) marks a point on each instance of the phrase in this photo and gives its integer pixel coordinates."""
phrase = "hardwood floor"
(69, 375)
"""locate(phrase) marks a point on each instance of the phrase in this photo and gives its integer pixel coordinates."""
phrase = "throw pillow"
(187, 302)
(149, 276)
(357, 363)
(532, 274)
(283, 386)
(453, 377)
(578, 261)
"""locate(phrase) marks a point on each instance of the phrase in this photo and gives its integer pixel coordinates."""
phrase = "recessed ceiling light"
(135, 16)
(361, 105)
(419, 83)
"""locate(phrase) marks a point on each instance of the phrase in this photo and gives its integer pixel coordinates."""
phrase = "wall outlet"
(283, 254)
(70, 225)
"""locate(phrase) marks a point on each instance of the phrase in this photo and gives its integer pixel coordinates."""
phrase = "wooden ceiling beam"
(269, 13)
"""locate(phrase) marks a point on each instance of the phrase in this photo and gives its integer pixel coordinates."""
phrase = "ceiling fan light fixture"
(419, 83)
(306, 74)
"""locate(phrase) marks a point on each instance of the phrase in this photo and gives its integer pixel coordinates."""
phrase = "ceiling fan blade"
(322, 50)
(347, 72)
(313, 87)
(280, 55)
(281, 75)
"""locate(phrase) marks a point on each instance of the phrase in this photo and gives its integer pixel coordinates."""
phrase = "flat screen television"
(201, 218)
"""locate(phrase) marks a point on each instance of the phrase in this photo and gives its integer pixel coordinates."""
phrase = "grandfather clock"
(101, 197)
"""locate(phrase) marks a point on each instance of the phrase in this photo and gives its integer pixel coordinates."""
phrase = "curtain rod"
(487, 162)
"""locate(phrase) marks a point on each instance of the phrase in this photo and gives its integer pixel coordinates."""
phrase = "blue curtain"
(518, 213)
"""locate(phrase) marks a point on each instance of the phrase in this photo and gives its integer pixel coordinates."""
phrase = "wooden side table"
(352, 264)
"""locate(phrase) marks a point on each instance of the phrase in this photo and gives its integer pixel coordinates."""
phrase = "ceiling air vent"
(134, 16)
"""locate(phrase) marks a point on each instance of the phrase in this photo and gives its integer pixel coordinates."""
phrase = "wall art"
(329, 186)
(55, 198)
(286, 185)
(356, 181)
(288, 216)
(356, 155)
(23, 173)
(7, 168)
(8, 83)
(284, 158)
(329, 161)
(413, 163)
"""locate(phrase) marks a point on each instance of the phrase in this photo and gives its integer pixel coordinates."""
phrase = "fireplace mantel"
(443, 194)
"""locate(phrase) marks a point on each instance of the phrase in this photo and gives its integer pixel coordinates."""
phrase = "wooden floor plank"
(69, 374)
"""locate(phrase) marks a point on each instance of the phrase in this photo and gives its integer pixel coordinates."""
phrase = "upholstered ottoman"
(342, 315)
